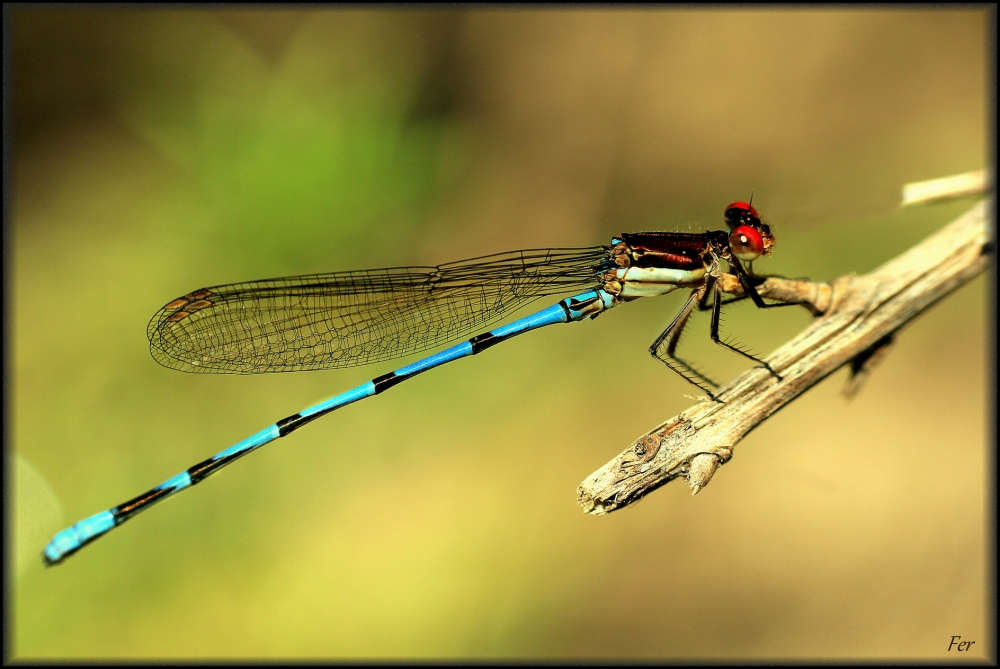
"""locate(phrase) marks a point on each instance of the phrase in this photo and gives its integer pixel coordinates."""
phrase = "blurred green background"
(156, 152)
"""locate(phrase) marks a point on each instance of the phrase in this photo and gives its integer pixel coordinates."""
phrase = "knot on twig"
(646, 448)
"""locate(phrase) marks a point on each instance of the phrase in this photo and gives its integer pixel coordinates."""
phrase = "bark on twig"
(857, 318)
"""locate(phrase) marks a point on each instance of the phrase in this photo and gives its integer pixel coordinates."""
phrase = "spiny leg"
(716, 313)
(672, 335)
(674, 340)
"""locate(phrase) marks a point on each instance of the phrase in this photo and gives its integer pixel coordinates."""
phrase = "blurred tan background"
(156, 152)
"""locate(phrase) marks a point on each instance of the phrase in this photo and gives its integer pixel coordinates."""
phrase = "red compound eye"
(746, 243)
(738, 209)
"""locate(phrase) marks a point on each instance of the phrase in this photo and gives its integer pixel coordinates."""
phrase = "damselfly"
(343, 319)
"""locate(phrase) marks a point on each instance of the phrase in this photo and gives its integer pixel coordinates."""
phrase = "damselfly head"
(749, 237)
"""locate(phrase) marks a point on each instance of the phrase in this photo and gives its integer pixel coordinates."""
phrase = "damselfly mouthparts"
(343, 319)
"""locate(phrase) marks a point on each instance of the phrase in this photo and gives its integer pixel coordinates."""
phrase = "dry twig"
(857, 318)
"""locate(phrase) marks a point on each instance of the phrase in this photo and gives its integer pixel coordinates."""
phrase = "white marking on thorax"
(653, 281)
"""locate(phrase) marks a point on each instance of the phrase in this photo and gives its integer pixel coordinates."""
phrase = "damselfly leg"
(714, 331)
(705, 298)
(672, 336)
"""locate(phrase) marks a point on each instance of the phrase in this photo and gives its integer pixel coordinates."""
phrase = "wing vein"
(345, 319)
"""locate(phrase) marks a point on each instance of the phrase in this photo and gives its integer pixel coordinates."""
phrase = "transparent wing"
(343, 319)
